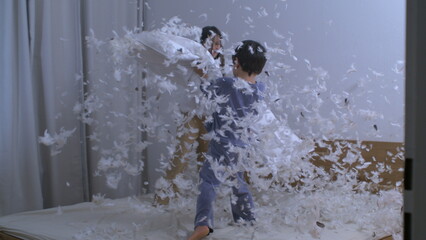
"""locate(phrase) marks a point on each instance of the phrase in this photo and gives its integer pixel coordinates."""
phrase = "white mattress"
(133, 218)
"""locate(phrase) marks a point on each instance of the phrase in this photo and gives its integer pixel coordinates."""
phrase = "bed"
(136, 218)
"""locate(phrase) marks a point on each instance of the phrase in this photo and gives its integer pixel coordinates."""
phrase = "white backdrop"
(45, 71)
(37, 86)
(20, 189)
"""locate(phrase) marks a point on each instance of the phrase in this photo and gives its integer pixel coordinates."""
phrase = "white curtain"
(20, 168)
(45, 70)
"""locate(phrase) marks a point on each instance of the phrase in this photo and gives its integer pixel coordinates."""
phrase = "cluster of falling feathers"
(152, 73)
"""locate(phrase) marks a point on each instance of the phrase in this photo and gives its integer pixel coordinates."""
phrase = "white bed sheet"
(132, 218)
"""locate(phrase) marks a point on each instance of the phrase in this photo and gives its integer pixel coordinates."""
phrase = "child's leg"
(204, 213)
(242, 208)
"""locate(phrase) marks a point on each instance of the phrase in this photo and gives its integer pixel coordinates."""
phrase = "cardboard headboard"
(384, 155)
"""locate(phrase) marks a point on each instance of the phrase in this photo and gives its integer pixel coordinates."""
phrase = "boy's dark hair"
(251, 56)
(208, 31)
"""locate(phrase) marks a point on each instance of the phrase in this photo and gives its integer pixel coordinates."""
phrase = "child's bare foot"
(199, 233)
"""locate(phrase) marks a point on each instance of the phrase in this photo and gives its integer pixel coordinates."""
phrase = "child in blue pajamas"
(248, 61)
